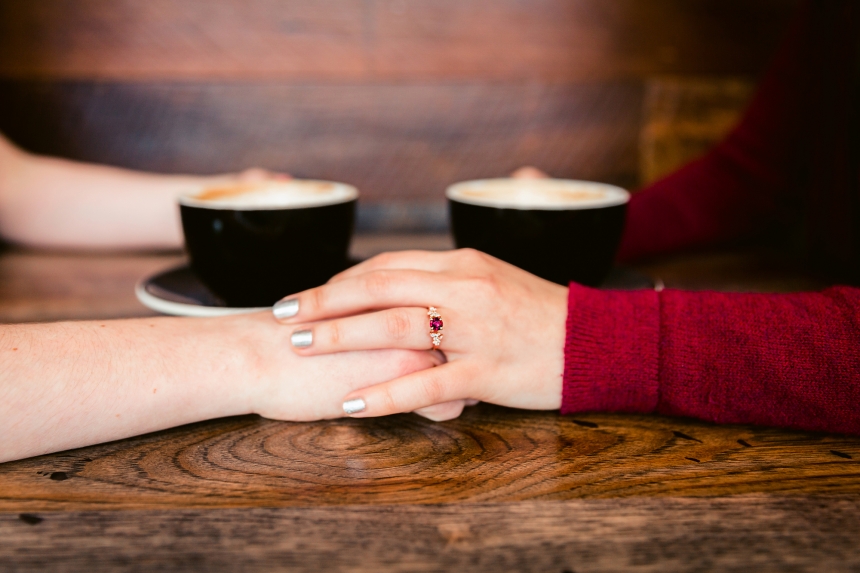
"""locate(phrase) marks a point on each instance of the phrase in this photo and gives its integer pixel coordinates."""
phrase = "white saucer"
(179, 292)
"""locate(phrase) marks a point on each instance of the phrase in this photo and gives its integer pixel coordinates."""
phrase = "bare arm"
(57, 203)
(67, 385)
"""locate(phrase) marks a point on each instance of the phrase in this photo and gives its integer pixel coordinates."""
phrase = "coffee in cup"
(559, 229)
(254, 243)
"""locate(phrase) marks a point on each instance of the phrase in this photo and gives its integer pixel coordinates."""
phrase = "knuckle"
(433, 390)
(333, 334)
(398, 324)
(382, 260)
(388, 401)
(377, 284)
(471, 256)
(485, 286)
(317, 299)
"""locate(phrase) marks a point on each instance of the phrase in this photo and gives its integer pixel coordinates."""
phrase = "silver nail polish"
(354, 406)
(302, 338)
(286, 308)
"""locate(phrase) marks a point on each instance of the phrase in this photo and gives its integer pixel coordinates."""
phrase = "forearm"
(57, 203)
(66, 385)
(781, 360)
(50, 202)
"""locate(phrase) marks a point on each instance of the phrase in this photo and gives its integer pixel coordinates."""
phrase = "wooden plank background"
(400, 97)
(414, 40)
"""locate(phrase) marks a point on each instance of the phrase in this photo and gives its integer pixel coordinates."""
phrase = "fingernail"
(302, 338)
(354, 406)
(286, 308)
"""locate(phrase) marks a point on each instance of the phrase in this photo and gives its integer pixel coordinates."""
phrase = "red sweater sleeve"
(788, 360)
(790, 148)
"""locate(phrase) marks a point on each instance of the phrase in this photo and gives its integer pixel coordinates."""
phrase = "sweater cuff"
(611, 353)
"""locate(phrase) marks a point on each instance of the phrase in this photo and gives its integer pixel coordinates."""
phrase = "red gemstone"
(435, 324)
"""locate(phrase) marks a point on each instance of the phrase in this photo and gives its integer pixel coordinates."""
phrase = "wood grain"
(401, 97)
(538, 40)
(37, 287)
(395, 142)
(489, 454)
(564, 40)
(495, 490)
(760, 533)
(185, 39)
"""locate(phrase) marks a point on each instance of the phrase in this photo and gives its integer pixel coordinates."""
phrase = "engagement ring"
(435, 326)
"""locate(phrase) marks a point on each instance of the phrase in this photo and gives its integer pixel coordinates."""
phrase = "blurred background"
(399, 97)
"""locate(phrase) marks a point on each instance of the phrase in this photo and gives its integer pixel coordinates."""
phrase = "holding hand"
(503, 332)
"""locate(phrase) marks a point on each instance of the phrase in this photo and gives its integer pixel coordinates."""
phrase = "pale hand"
(504, 330)
(284, 386)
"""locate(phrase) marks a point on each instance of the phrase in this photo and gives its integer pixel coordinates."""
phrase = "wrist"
(215, 363)
(549, 363)
(255, 348)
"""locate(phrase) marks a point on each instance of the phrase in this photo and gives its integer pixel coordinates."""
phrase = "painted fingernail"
(302, 338)
(354, 406)
(286, 308)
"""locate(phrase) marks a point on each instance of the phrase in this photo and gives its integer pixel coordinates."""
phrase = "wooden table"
(495, 490)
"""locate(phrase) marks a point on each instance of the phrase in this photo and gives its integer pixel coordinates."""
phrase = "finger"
(442, 412)
(336, 375)
(404, 328)
(416, 260)
(412, 392)
(529, 172)
(472, 402)
(371, 291)
(342, 373)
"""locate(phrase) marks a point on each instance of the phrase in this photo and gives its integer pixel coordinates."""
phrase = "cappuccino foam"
(263, 195)
(539, 194)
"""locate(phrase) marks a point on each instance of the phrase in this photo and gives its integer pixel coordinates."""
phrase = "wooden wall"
(400, 97)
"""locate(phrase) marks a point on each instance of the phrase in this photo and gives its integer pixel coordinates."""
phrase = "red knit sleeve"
(783, 360)
(751, 178)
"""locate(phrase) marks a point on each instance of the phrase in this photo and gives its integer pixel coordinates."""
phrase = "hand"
(504, 329)
(529, 172)
(289, 387)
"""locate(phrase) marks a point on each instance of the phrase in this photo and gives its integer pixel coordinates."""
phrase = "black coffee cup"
(559, 229)
(254, 243)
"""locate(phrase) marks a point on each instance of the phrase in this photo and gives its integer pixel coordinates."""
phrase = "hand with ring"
(501, 329)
